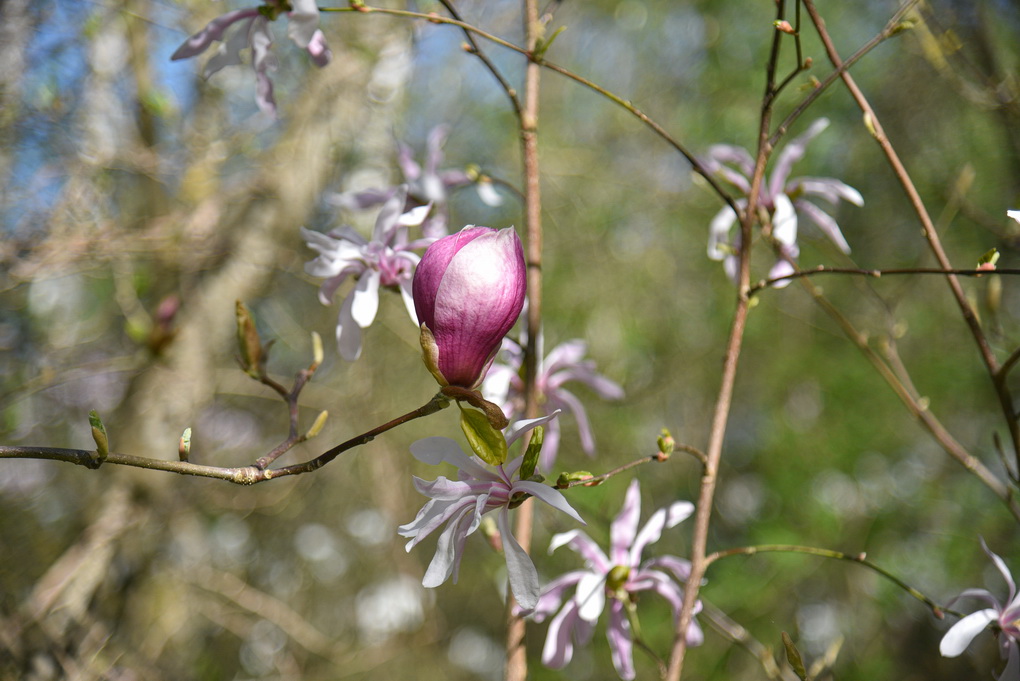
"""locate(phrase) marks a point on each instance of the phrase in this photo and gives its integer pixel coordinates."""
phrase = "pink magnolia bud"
(468, 291)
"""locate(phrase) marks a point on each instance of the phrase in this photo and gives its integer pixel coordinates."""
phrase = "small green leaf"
(991, 257)
(485, 441)
(99, 435)
(793, 656)
(531, 455)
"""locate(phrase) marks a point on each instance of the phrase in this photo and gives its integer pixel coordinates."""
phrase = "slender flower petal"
(1005, 617)
(614, 581)
(460, 505)
(564, 364)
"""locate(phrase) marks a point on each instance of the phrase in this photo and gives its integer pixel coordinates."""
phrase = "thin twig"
(859, 558)
(931, 234)
(876, 273)
(246, 475)
(529, 53)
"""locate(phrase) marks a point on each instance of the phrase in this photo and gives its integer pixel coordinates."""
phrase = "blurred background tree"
(139, 202)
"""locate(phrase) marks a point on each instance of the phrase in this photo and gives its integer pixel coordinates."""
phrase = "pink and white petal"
(829, 188)
(567, 399)
(348, 333)
(591, 596)
(784, 221)
(584, 545)
(443, 488)
(303, 22)
(552, 594)
(415, 216)
(442, 565)
(963, 632)
(680, 567)
(366, 298)
(405, 295)
(652, 530)
(550, 446)
(559, 644)
(825, 222)
(781, 268)
(437, 450)
(565, 354)
(229, 53)
(549, 495)
(623, 531)
(318, 49)
(516, 430)
(620, 645)
(213, 31)
(1003, 570)
(520, 570)
(719, 233)
(1012, 670)
(793, 152)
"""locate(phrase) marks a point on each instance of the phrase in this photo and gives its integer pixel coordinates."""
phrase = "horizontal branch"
(859, 558)
(245, 475)
(821, 269)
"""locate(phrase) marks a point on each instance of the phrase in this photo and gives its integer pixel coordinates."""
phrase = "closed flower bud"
(468, 291)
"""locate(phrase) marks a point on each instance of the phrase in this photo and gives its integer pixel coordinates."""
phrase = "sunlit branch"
(878, 273)
(245, 475)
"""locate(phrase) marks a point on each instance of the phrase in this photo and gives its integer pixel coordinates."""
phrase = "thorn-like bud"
(317, 425)
(784, 26)
(100, 437)
(184, 445)
(666, 444)
(248, 343)
(566, 478)
(317, 355)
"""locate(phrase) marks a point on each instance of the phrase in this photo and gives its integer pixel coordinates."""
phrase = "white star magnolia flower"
(617, 577)
(781, 196)
(1005, 617)
(460, 505)
(386, 260)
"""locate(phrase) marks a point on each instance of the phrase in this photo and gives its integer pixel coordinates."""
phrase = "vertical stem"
(724, 401)
(516, 650)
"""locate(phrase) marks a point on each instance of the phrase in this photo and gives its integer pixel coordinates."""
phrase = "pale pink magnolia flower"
(564, 364)
(426, 183)
(1005, 618)
(249, 28)
(386, 260)
(783, 197)
(460, 505)
(618, 578)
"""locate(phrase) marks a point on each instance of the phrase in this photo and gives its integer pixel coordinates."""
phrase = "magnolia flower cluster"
(615, 579)
(386, 260)
(426, 183)
(460, 504)
(1004, 616)
(564, 364)
(781, 196)
(249, 28)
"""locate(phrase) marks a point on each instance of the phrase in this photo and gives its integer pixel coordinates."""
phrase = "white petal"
(348, 333)
(1015, 214)
(963, 632)
(591, 596)
(520, 570)
(366, 299)
(784, 221)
